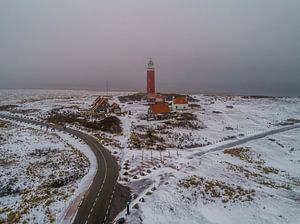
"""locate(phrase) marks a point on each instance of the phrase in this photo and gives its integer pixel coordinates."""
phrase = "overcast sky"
(213, 45)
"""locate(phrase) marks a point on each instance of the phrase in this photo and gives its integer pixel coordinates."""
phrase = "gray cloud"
(228, 46)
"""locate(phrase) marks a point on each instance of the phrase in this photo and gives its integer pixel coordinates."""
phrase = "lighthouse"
(150, 81)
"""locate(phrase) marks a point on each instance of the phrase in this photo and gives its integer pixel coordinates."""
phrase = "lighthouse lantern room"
(150, 80)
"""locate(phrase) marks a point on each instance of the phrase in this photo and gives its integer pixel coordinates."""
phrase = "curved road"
(95, 206)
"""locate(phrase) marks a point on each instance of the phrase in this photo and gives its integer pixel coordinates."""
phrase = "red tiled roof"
(115, 105)
(180, 100)
(160, 108)
(96, 100)
(100, 99)
(100, 102)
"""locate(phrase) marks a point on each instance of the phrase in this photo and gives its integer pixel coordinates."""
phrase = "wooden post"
(160, 155)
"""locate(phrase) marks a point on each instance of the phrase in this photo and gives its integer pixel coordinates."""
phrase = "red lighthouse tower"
(150, 81)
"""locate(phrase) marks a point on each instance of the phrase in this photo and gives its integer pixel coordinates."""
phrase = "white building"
(180, 103)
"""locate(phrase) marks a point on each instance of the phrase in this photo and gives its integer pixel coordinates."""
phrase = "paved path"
(244, 140)
(96, 204)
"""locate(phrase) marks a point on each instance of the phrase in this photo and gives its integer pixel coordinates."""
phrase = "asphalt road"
(96, 204)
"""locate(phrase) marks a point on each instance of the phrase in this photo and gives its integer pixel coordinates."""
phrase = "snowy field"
(42, 173)
(258, 182)
(170, 183)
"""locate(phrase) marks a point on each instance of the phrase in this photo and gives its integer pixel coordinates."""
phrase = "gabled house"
(159, 110)
(180, 103)
(100, 105)
(115, 108)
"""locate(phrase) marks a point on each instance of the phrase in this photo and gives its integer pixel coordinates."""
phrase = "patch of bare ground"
(212, 190)
(258, 177)
(145, 140)
(245, 154)
(259, 173)
(107, 140)
(3, 124)
(187, 124)
(289, 121)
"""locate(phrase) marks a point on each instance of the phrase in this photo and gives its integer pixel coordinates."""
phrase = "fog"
(242, 47)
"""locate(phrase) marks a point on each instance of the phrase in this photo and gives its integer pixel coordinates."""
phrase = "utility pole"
(106, 87)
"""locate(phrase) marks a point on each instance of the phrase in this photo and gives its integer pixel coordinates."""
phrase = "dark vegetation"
(245, 154)
(259, 170)
(187, 124)
(194, 105)
(148, 139)
(109, 124)
(259, 97)
(210, 190)
(15, 109)
(142, 96)
(259, 177)
(187, 117)
(217, 112)
(133, 97)
(7, 107)
(3, 124)
(169, 97)
(289, 121)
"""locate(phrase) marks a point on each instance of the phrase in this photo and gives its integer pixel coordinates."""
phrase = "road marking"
(109, 204)
(89, 142)
(105, 163)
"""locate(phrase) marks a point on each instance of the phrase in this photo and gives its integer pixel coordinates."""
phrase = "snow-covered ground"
(42, 173)
(260, 183)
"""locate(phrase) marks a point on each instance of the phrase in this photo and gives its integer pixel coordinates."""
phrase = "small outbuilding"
(159, 110)
(160, 99)
(180, 103)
